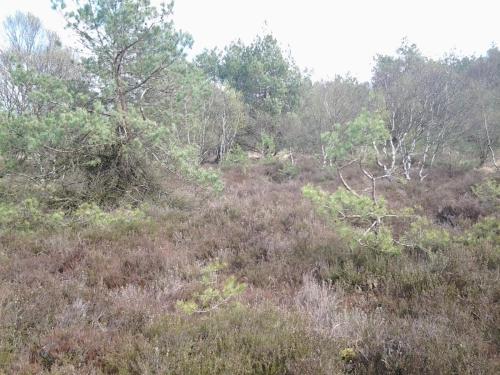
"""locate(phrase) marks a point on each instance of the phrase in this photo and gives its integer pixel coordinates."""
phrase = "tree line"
(110, 119)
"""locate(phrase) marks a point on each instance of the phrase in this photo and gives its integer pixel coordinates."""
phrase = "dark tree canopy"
(268, 78)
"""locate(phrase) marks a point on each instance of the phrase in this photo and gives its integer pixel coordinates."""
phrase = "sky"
(328, 37)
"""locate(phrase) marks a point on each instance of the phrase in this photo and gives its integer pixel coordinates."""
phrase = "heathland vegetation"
(226, 214)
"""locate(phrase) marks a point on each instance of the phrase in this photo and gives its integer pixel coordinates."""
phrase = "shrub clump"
(424, 236)
(28, 216)
(488, 193)
(229, 341)
(212, 295)
(358, 218)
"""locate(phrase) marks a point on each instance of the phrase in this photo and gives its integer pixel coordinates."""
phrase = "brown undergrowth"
(102, 300)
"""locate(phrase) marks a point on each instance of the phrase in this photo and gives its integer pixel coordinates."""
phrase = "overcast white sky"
(328, 36)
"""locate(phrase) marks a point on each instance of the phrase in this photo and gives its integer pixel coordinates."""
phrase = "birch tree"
(420, 96)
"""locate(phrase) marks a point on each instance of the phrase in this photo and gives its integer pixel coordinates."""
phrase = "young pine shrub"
(236, 157)
(281, 171)
(488, 193)
(91, 215)
(267, 145)
(28, 216)
(212, 296)
(358, 218)
(186, 160)
(424, 236)
(483, 239)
